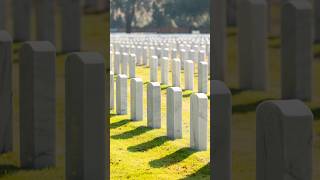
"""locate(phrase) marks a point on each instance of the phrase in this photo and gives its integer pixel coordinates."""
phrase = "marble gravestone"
(284, 140)
(21, 19)
(174, 54)
(2, 14)
(117, 62)
(231, 12)
(252, 43)
(218, 26)
(174, 113)
(145, 56)
(132, 65)
(71, 25)
(203, 77)
(183, 57)
(111, 90)
(37, 105)
(188, 74)
(198, 121)
(154, 69)
(6, 105)
(316, 7)
(154, 105)
(164, 70)
(85, 116)
(121, 94)
(124, 63)
(220, 133)
(45, 20)
(136, 95)
(176, 71)
(297, 54)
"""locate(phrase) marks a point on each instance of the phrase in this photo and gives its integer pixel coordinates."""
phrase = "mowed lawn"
(94, 36)
(138, 152)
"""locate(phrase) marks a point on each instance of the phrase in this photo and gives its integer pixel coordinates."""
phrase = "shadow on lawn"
(202, 173)
(235, 91)
(8, 169)
(164, 87)
(129, 134)
(173, 158)
(186, 93)
(119, 123)
(158, 141)
(245, 108)
(316, 113)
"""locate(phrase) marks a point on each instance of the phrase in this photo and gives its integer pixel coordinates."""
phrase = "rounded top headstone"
(298, 4)
(39, 46)
(220, 88)
(287, 107)
(86, 58)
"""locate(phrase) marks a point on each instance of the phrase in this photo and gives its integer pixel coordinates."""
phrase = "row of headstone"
(124, 62)
(233, 8)
(85, 100)
(198, 108)
(45, 21)
(283, 137)
(144, 46)
(296, 50)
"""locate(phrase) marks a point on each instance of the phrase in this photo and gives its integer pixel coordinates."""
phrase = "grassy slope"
(139, 152)
(94, 39)
(245, 102)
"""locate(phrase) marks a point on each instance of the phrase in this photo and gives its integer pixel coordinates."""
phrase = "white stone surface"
(136, 99)
(174, 113)
(124, 63)
(188, 75)
(284, 140)
(121, 94)
(111, 90)
(198, 121)
(116, 63)
(154, 69)
(154, 105)
(203, 77)
(176, 71)
(132, 66)
(164, 70)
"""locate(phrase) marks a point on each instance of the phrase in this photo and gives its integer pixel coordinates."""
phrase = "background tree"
(188, 13)
(127, 9)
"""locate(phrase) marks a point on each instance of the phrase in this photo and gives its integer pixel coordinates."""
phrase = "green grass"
(94, 38)
(139, 152)
(245, 103)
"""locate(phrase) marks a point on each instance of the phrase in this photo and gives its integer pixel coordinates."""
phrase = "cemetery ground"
(94, 36)
(138, 152)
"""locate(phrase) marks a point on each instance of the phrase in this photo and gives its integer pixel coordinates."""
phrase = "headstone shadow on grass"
(235, 91)
(119, 123)
(132, 133)
(6, 169)
(186, 93)
(158, 141)
(316, 113)
(250, 107)
(203, 172)
(164, 87)
(173, 158)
